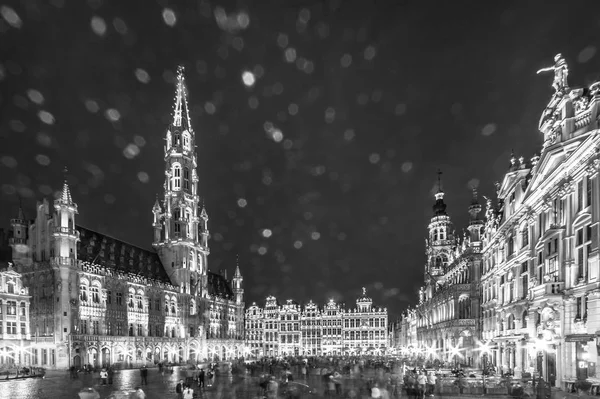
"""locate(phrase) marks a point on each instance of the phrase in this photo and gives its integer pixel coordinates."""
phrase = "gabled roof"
(553, 158)
(97, 248)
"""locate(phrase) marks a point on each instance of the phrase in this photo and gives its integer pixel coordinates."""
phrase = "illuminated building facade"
(447, 314)
(98, 300)
(333, 330)
(254, 331)
(16, 346)
(537, 261)
(540, 283)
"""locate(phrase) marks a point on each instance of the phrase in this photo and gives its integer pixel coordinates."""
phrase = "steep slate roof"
(219, 286)
(96, 248)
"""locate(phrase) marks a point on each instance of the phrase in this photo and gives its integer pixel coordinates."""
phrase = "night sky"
(334, 148)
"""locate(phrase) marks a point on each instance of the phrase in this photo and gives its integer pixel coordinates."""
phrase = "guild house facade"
(529, 273)
(290, 329)
(98, 300)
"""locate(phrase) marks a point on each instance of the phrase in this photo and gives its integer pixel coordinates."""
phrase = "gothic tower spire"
(439, 244)
(179, 230)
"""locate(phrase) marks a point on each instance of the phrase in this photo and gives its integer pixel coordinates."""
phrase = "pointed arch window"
(176, 140)
(176, 177)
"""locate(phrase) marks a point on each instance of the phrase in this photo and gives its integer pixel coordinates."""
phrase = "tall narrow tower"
(475, 223)
(64, 261)
(180, 228)
(18, 241)
(439, 248)
(238, 281)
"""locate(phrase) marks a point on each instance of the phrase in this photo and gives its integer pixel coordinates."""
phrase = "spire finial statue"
(364, 290)
(439, 173)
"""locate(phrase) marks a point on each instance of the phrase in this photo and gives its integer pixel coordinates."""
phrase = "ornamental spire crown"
(181, 113)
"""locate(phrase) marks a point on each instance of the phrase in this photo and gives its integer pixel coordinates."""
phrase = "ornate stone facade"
(98, 300)
(536, 267)
(293, 330)
(15, 336)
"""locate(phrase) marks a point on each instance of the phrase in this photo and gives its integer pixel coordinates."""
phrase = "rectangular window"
(525, 285)
(579, 305)
(109, 297)
(11, 308)
(580, 196)
(119, 329)
(588, 191)
(524, 267)
(11, 327)
(95, 327)
(119, 298)
(109, 328)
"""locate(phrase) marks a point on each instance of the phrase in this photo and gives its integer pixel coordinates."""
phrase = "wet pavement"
(58, 385)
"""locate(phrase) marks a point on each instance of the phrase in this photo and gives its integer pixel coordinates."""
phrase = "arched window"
(95, 293)
(138, 299)
(23, 308)
(83, 292)
(435, 235)
(511, 245)
(176, 140)
(511, 322)
(438, 261)
(524, 320)
(442, 234)
(192, 307)
(176, 177)
(130, 302)
(131, 330)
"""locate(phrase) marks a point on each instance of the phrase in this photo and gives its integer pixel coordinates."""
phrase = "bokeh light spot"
(406, 166)
(35, 96)
(374, 158)
(142, 75)
(346, 60)
(349, 135)
(169, 17)
(315, 235)
(298, 244)
(248, 78)
(139, 141)
(113, 115)
(488, 129)
(92, 106)
(586, 54)
(131, 151)
(46, 117)
(8, 161)
(11, 16)
(98, 26)
(143, 177)
(242, 203)
(369, 53)
(290, 55)
(42, 159)
(267, 233)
